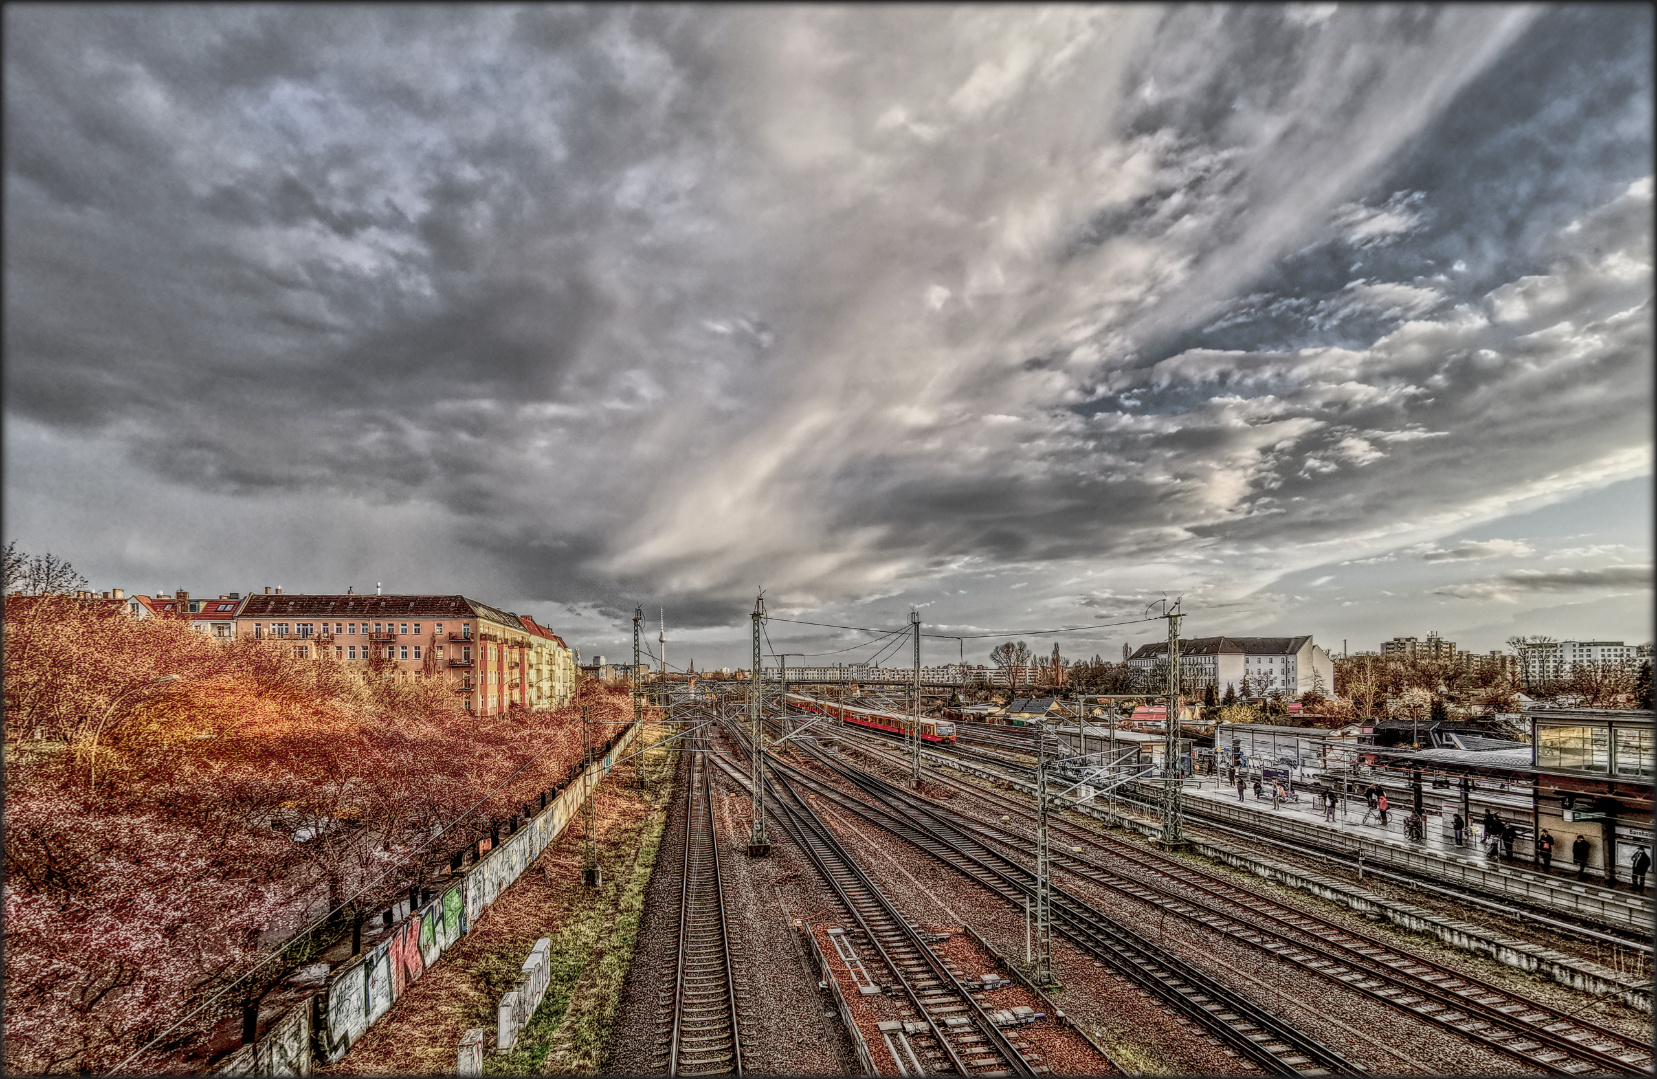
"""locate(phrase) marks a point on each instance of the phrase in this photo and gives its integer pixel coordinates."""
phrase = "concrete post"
(506, 1022)
(471, 1053)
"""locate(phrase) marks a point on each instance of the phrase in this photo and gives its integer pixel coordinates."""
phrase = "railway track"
(1309, 846)
(949, 1031)
(1250, 1030)
(1543, 1037)
(706, 1036)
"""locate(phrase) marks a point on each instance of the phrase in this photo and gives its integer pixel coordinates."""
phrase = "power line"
(835, 652)
(1038, 632)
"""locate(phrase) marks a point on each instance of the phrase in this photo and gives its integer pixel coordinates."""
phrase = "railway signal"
(591, 876)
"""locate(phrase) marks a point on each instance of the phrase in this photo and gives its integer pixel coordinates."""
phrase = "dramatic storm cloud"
(1022, 315)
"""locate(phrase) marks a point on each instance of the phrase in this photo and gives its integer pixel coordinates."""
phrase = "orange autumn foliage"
(228, 807)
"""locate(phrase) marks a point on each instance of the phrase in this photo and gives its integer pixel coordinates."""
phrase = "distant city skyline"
(1329, 320)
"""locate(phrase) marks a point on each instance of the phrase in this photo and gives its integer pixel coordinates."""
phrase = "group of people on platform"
(1497, 836)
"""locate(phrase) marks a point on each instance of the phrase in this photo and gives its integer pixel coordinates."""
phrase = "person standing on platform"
(1240, 788)
(1642, 865)
(1460, 826)
(1509, 835)
(1329, 806)
(1579, 855)
(1258, 789)
(1544, 849)
(1381, 806)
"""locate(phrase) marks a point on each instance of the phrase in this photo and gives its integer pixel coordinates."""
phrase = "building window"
(1578, 749)
(279, 629)
(350, 651)
(351, 628)
(404, 650)
(376, 627)
(417, 629)
(466, 653)
(304, 628)
(439, 651)
(1633, 751)
(404, 630)
(338, 629)
(301, 651)
(416, 651)
(438, 629)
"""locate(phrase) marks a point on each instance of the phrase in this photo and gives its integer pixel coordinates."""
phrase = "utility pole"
(759, 844)
(1171, 807)
(1044, 910)
(638, 774)
(591, 876)
(915, 756)
(661, 640)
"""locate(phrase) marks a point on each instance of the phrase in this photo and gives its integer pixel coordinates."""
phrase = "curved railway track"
(1305, 847)
(952, 1031)
(1249, 1029)
(706, 1037)
(1543, 1037)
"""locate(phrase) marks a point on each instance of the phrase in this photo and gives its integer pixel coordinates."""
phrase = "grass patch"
(590, 952)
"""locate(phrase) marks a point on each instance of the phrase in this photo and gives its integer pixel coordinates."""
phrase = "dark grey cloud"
(1620, 578)
(667, 303)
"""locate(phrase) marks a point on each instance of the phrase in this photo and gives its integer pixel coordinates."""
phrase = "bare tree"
(41, 575)
(17, 567)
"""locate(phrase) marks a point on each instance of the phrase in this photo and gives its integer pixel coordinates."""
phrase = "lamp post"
(98, 734)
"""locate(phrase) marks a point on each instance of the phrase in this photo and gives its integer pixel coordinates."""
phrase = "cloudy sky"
(1331, 320)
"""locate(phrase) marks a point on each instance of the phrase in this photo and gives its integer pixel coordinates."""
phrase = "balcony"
(382, 636)
(460, 663)
(464, 687)
(460, 636)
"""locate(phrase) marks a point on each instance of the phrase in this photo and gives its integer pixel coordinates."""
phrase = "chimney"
(267, 589)
(350, 590)
(118, 593)
(234, 595)
(103, 595)
(376, 588)
(278, 590)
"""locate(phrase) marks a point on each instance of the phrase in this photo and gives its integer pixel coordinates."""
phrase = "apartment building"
(215, 617)
(1434, 647)
(1551, 660)
(1292, 665)
(493, 658)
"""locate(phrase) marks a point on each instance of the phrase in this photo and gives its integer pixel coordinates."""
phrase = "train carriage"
(932, 730)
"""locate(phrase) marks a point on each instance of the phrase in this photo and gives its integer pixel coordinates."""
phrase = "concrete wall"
(364, 988)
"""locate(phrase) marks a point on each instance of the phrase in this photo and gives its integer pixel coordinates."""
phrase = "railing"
(382, 636)
(460, 663)
(460, 636)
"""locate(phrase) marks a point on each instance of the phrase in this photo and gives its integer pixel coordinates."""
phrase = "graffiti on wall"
(361, 991)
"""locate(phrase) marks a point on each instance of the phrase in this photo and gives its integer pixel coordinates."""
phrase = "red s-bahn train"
(932, 730)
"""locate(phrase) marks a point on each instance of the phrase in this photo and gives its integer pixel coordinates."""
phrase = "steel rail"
(1552, 917)
(1433, 991)
(890, 933)
(1237, 1022)
(706, 1037)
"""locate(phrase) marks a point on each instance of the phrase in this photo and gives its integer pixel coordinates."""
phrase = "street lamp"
(98, 734)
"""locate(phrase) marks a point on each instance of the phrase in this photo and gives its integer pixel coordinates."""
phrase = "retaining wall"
(364, 988)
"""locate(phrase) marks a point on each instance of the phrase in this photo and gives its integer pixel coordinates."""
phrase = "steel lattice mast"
(1044, 910)
(638, 616)
(1172, 810)
(915, 741)
(758, 843)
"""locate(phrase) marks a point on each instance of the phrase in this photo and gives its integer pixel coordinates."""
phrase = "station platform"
(1435, 857)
